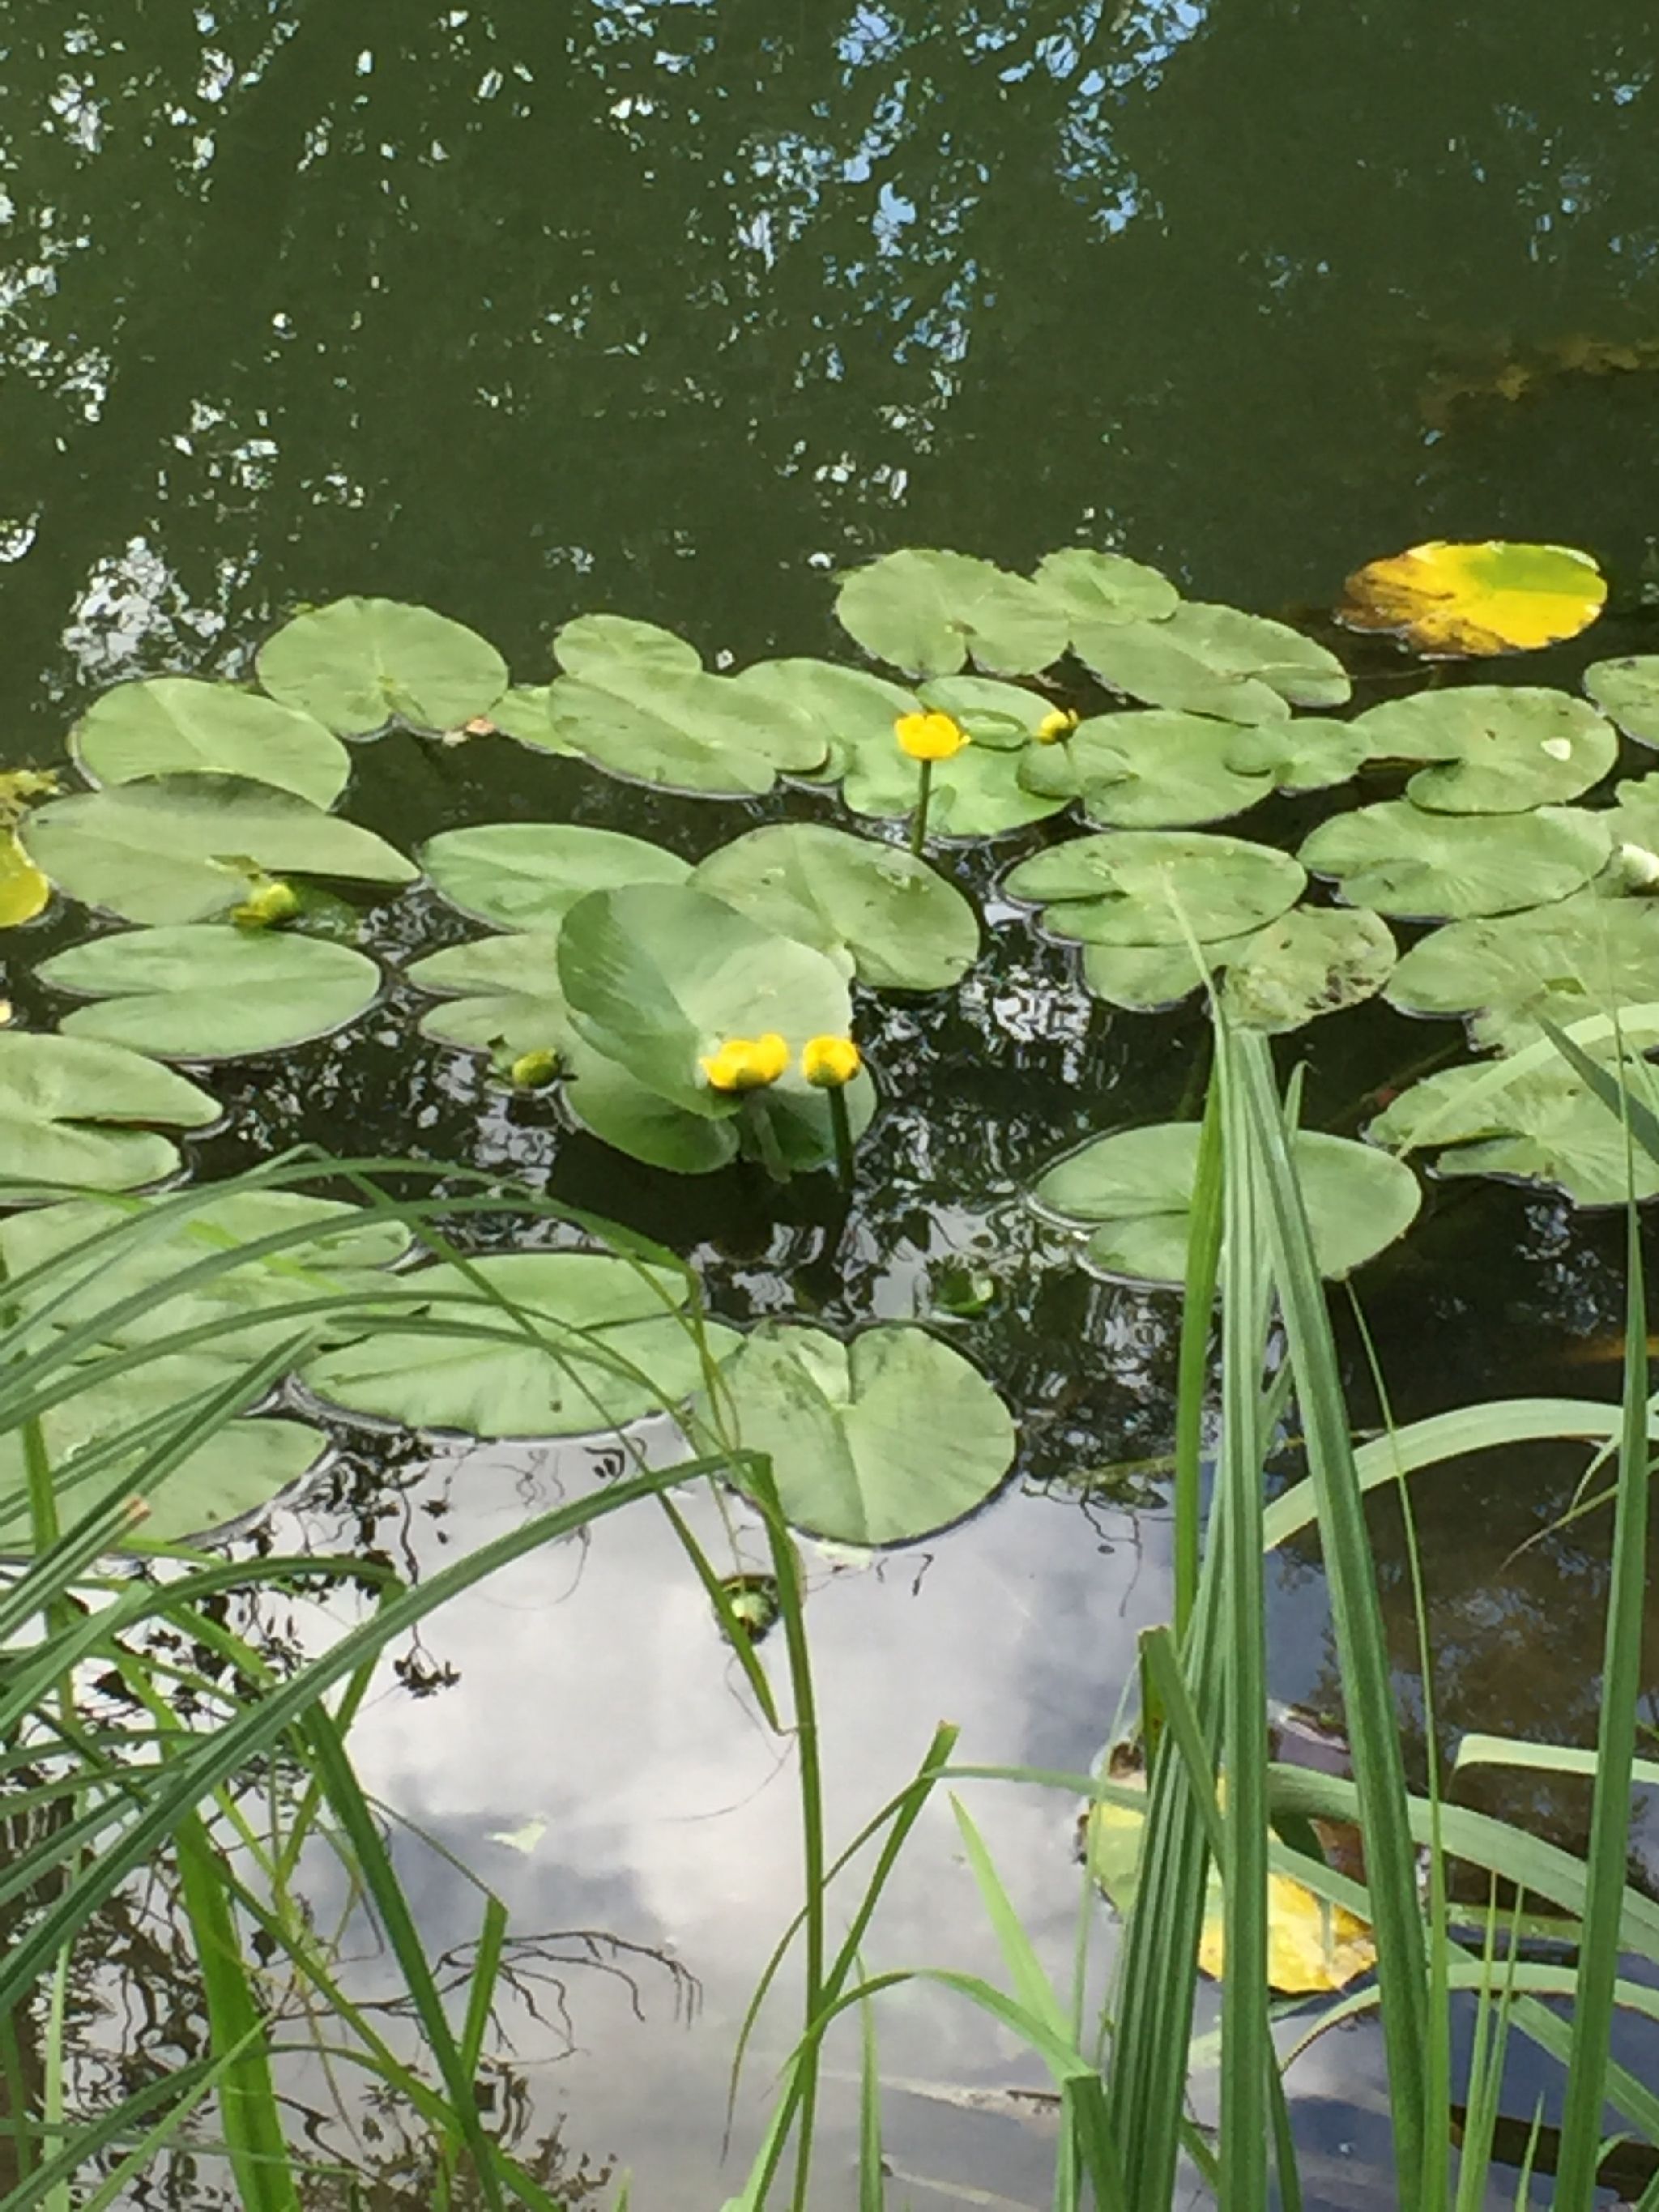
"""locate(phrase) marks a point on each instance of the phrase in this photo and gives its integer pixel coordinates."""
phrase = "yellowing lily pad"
(1494, 597)
(23, 889)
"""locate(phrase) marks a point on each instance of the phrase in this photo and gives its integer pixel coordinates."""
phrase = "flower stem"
(765, 1136)
(841, 1128)
(919, 821)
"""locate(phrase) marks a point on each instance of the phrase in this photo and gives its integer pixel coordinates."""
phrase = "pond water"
(524, 309)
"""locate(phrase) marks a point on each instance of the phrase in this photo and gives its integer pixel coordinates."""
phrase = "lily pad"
(1000, 717)
(1556, 963)
(177, 726)
(1541, 1125)
(1310, 752)
(586, 1342)
(619, 1109)
(1312, 961)
(528, 875)
(879, 1440)
(501, 995)
(927, 612)
(359, 664)
(1147, 771)
(1628, 691)
(1139, 887)
(658, 977)
(1090, 587)
(74, 1112)
(878, 913)
(1144, 979)
(592, 643)
(977, 793)
(24, 891)
(187, 847)
(200, 991)
(1504, 748)
(1138, 1187)
(847, 707)
(1402, 860)
(1148, 661)
(1494, 597)
(682, 728)
(526, 712)
(1255, 649)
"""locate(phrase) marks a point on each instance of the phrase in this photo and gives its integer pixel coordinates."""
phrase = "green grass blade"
(1197, 1317)
(872, 2188)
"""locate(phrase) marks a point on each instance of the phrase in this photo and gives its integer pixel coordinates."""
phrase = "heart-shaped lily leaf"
(1541, 1124)
(848, 708)
(187, 848)
(878, 913)
(604, 1099)
(1135, 1190)
(659, 977)
(1627, 690)
(1502, 748)
(1402, 860)
(1089, 587)
(75, 1112)
(879, 1440)
(179, 726)
(1495, 597)
(977, 793)
(200, 991)
(594, 643)
(501, 995)
(1157, 887)
(1206, 659)
(1145, 979)
(1153, 770)
(1310, 752)
(927, 612)
(682, 728)
(1556, 963)
(528, 875)
(1312, 961)
(525, 1344)
(360, 664)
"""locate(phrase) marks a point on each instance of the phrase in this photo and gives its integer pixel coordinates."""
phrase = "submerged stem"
(841, 1128)
(919, 820)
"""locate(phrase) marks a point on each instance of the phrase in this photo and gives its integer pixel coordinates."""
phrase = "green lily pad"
(1145, 979)
(681, 728)
(658, 977)
(878, 913)
(1153, 770)
(975, 793)
(1401, 861)
(928, 612)
(880, 1440)
(1556, 963)
(526, 712)
(1541, 1125)
(1204, 660)
(177, 726)
(501, 995)
(74, 1112)
(1000, 717)
(1310, 752)
(1499, 749)
(619, 1109)
(591, 1342)
(1089, 587)
(847, 707)
(1157, 887)
(1258, 650)
(1633, 819)
(1627, 690)
(187, 847)
(200, 991)
(528, 875)
(1135, 1190)
(592, 643)
(1312, 961)
(359, 664)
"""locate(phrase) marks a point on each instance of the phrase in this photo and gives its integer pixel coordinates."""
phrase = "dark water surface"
(527, 308)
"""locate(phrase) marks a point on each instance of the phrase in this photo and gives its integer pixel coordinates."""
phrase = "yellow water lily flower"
(1057, 722)
(930, 737)
(827, 1062)
(746, 1063)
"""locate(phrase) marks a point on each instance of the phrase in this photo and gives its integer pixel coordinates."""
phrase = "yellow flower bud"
(533, 1070)
(746, 1063)
(827, 1062)
(1057, 722)
(266, 905)
(930, 737)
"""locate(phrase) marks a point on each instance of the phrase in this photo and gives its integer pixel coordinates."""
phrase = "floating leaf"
(1312, 961)
(203, 992)
(24, 890)
(187, 847)
(977, 793)
(927, 612)
(1628, 691)
(1144, 979)
(1633, 821)
(1401, 860)
(63, 1101)
(1089, 587)
(359, 664)
(659, 977)
(879, 1440)
(1157, 887)
(681, 728)
(1001, 717)
(1138, 1187)
(592, 643)
(1146, 771)
(1505, 748)
(1556, 963)
(1206, 659)
(1496, 596)
(1540, 1125)
(1310, 752)
(528, 875)
(880, 914)
(178, 725)
(526, 712)
(847, 707)
(619, 1109)
(501, 996)
(591, 1342)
